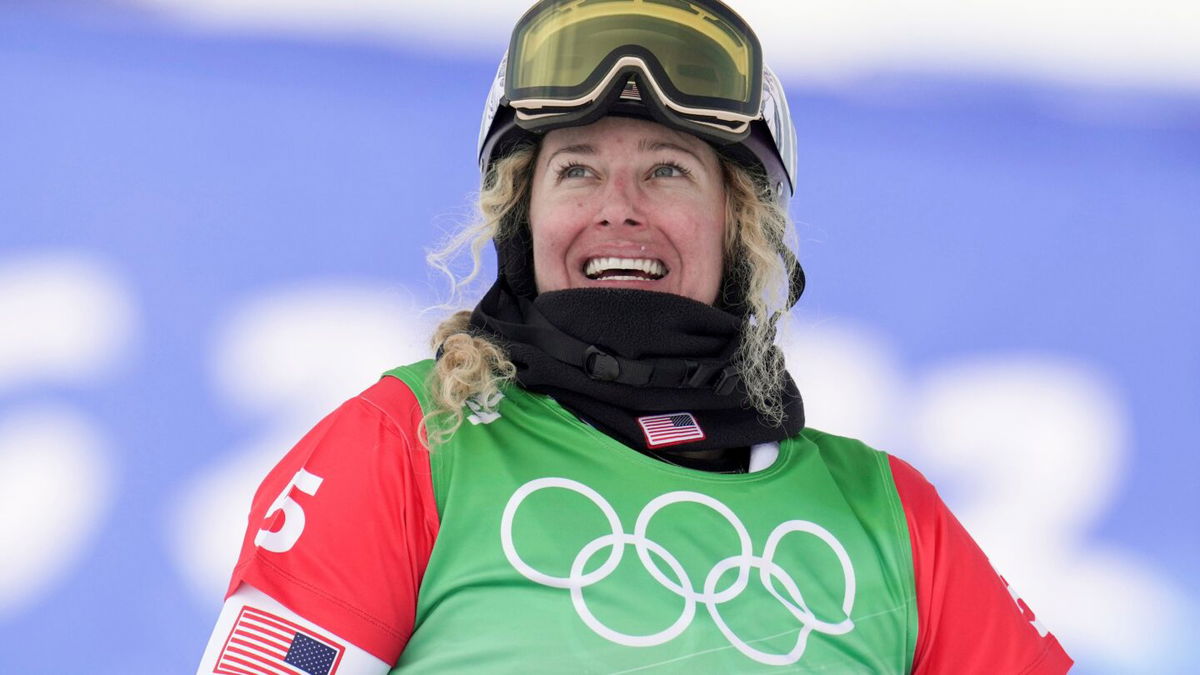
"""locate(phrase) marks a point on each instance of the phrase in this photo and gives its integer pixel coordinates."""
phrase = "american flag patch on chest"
(670, 429)
(264, 644)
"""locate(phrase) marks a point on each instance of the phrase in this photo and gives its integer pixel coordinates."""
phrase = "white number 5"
(293, 514)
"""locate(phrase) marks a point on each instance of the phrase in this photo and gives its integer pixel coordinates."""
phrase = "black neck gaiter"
(548, 336)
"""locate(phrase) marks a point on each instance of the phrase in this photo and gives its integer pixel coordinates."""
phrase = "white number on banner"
(1025, 611)
(484, 412)
(285, 537)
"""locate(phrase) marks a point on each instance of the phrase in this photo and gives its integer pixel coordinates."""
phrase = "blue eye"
(573, 171)
(669, 170)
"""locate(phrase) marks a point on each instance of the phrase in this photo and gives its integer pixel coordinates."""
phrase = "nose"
(620, 202)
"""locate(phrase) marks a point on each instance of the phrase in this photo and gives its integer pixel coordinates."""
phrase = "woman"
(606, 467)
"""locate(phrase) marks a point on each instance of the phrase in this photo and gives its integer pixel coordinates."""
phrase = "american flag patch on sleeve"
(672, 429)
(262, 643)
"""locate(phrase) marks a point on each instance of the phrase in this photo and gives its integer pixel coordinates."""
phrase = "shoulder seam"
(382, 625)
(395, 424)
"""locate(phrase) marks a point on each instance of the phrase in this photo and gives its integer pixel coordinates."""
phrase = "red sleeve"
(341, 530)
(969, 620)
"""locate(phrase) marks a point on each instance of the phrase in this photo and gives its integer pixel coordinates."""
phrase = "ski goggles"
(695, 63)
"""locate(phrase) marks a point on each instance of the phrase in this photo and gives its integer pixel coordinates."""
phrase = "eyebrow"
(655, 146)
(645, 145)
(577, 149)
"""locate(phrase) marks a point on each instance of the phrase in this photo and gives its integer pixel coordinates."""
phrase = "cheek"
(710, 248)
(710, 230)
(714, 251)
(550, 240)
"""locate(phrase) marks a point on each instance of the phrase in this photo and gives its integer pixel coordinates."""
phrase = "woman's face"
(628, 203)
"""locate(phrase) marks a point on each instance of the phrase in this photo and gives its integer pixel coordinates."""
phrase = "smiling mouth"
(624, 269)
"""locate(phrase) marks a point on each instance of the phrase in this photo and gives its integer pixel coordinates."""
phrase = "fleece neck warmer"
(652, 370)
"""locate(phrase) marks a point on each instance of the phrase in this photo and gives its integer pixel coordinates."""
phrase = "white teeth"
(653, 268)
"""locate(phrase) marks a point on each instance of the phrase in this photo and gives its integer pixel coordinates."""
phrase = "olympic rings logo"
(678, 582)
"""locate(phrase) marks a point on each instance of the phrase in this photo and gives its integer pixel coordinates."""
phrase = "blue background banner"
(209, 238)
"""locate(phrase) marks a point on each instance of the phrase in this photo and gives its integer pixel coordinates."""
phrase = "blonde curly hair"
(473, 367)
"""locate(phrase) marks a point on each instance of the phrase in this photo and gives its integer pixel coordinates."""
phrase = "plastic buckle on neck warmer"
(726, 382)
(701, 376)
(600, 365)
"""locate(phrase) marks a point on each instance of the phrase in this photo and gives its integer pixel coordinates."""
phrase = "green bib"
(563, 551)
